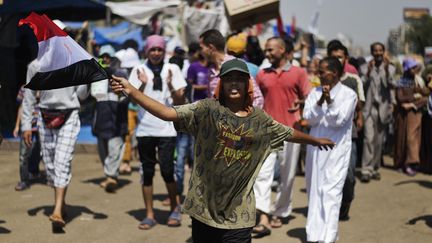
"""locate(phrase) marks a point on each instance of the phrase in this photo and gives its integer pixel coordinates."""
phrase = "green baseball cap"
(233, 65)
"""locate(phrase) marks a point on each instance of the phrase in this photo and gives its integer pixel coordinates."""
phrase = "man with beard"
(378, 110)
(284, 88)
(329, 111)
(354, 82)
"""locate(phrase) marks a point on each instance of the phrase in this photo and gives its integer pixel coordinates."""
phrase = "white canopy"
(139, 12)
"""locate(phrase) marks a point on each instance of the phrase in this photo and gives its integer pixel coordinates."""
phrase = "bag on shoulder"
(55, 119)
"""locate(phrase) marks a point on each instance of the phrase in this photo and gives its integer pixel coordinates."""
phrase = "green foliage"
(420, 34)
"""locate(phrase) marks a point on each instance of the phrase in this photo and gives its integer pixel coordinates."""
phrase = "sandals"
(174, 220)
(109, 184)
(147, 224)
(264, 231)
(275, 222)
(57, 222)
(21, 186)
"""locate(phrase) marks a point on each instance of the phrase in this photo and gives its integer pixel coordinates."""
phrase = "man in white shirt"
(163, 82)
(329, 110)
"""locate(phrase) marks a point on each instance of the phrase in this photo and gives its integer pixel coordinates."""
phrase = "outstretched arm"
(300, 137)
(121, 85)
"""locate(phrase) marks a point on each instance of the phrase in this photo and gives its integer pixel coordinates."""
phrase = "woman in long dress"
(411, 96)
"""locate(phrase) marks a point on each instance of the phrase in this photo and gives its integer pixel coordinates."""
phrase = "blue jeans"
(185, 147)
(29, 158)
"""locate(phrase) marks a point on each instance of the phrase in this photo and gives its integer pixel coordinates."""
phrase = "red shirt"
(281, 90)
(348, 68)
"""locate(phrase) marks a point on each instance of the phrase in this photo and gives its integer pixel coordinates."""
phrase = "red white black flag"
(61, 62)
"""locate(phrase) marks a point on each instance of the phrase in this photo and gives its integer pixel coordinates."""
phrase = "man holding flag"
(61, 66)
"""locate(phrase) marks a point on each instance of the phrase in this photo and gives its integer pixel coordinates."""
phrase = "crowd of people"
(238, 116)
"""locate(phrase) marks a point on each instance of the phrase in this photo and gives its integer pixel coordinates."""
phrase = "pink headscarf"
(155, 41)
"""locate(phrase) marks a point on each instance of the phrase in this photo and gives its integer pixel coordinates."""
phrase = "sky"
(365, 21)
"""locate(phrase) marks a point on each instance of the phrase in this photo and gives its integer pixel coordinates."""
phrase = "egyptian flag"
(61, 62)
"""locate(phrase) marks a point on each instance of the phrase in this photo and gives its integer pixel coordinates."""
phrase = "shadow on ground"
(160, 197)
(286, 220)
(121, 182)
(135, 168)
(423, 183)
(2, 229)
(72, 212)
(302, 211)
(299, 233)
(426, 218)
(40, 179)
(161, 216)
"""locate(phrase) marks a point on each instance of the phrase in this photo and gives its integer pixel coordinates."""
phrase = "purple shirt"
(199, 75)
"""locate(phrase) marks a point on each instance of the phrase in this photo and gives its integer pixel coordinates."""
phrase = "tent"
(118, 34)
(139, 12)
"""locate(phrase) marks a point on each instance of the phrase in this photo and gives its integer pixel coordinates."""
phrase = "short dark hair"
(287, 43)
(335, 45)
(193, 47)
(213, 37)
(334, 65)
(130, 43)
(376, 44)
(333, 42)
(355, 62)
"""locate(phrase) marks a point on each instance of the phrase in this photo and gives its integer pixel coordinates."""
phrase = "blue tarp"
(85, 136)
(118, 34)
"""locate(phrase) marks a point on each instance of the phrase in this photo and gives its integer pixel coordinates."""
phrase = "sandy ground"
(397, 209)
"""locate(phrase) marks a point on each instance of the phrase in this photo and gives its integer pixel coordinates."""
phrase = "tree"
(420, 34)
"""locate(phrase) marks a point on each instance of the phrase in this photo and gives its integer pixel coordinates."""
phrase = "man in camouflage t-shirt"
(220, 190)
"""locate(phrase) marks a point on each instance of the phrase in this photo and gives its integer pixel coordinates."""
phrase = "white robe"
(326, 170)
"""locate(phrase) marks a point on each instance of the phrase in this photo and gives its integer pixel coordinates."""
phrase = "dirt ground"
(397, 209)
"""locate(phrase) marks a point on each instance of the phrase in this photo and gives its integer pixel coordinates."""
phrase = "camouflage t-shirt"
(229, 152)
